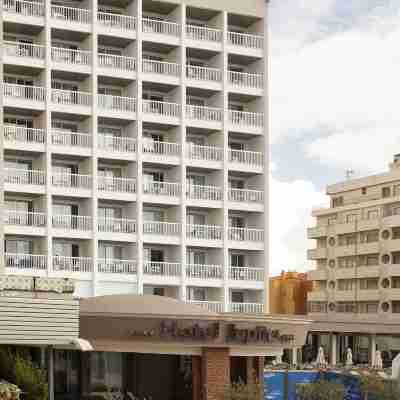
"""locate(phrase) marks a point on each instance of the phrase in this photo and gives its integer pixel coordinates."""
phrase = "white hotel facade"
(135, 147)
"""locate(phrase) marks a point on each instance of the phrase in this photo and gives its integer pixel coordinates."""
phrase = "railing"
(118, 21)
(246, 195)
(161, 148)
(72, 180)
(166, 269)
(246, 308)
(201, 271)
(118, 103)
(60, 137)
(203, 113)
(117, 225)
(161, 228)
(116, 143)
(244, 79)
(207, 153)
(20, 49)
(21, 218)
(119, 185)
(69, 14)
(246, 234)
(202, 33)
(213, 306)
(172, 189)
(246, 157)
(161, 108)
(246, 118)
(203, 232)
(72, 264)
(27, 8)
(70, 56)
(25, 261)
(246, 274)
(114, 266)
(116, 62)
(245, 40)
(15, 133)
(203, 73)
(150, 25)
(72, 222)
(70, 97)
(34, 93)
(161, 67)
(24, 177)
(202, 192)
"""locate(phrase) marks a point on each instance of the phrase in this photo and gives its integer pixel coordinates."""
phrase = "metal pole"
(50, 372)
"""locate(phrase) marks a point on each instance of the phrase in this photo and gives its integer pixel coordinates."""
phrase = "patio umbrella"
(349, 358)
(320, 361)
(378, 360)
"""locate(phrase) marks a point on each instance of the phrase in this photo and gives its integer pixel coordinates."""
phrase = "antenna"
(349, 173)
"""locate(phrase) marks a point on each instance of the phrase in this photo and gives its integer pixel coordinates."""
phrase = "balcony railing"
(161, 148)
(114, 266)
(202, 192)
(201, 113)
(72, 264)
(246, 195)
(213, 306)
(243, 118)
(246, 234)
(117, 21)
(161, 228)
(24, 177)
(116, 225)
(161, 67)
(206, 153)
(150, 25)
(194, 32)
(116, 143)
(201, 271)
(203, 232)
(68, 138)
(26, 8)
(203, 73)
(243, 79)
(246, 308)
(21, 218)
(246, 157)
(24, 50)
(70, 56)
(78, 181)
(246, 40)
(71, 97)
(165, 269)
(161, 108)
(72, 222)
(117, 62)
(25, 261)
(171, 189)
(33, 93)
(70, 14)
(114, 184)
(246, 274)
(116, 103)
(15, 133)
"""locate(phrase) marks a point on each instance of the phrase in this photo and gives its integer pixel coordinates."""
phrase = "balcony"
(18, 137)
(15, 8)
(161, 31)
(115, 266)
(209, 78)
(167, 189)
(202, 271)
(68, 57)
(161, 228)
(116, 146)
(205, 156)
(18, 218)
(71, 18)
(162, 71)
(115, 65)
(23, 53)
(162, 269)
(246, 195)
(202, 192)
(242, 80)
(316, 254)
(81, 101)
(62, 264)
(32, 97)
(76, 182)
(204, 117)
(161, 111)
(246, 160)
(246, 43)
(115, 188)
(72, 222)
(120, 106)
(24, 180)
(208, 235)
(245, 234)
(246, 274)
(246, 122)
(116, 24)
(317, 231)
(71, 142)
(246, 308)
(205, 37)
(25, 263)
(161, 152)
(213, 306)
(116, 225)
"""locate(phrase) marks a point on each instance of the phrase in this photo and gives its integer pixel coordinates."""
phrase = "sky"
(334, 106)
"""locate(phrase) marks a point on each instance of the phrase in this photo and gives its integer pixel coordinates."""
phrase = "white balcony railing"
(72, 222)
(246, 234)
(246, 195)
(247, 40)
(246, 308)
(72, 264)
(201, 113)
(116, 225)
(161, 228)
(246, 157)
(243, 118)
(203, 232)
(70, 14)
(24, 176)
(161, 148)
(165, 269)
(243, 79)
(71, 97)
(161, 67)
(25, 261)
(114, 266)
(26, 8)
(114, 184)
(201, 271)
(213, 306)
(116, 143)
(32, 93)
(150, 25)
(116, 21)
(117, 103)
(60, 137)
(20, 218)
(246, 274)
(78, 181)
(203, 73)
(206, 153)
(70, 56)
(171, 189)
(202, 192)
(161, 108)
(194, 32)
(20, 134)
(116, 62)
(23, 50)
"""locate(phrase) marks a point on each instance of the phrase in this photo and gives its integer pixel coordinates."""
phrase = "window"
(347, 262)
(196, 257)
(369, 236)
(372, 214)
(20, 246)
(396, 233)
(195, 180)
(396, 282)
(343, 307)
(337, 201)
(108, 251)
(195, 219)
(396, 190)
(386, 192)
(153, 215)
(396, 307)
(372, 259)
(317, 307)
(106, 370)
(237, 297)
(368, 308)
(363, 190)
(237, 260)
(351, 218)
(396, 258)
(196, 294)
(346, 284)
(368, 284)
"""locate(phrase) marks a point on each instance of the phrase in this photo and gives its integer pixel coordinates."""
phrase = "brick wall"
(215, 372)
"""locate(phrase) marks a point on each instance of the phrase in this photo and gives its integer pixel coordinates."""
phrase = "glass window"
(196, 257)
(237, 260)
(105, 371)
(13, 246)
(66, 374)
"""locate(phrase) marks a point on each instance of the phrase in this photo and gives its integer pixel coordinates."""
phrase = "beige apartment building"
(355, 300)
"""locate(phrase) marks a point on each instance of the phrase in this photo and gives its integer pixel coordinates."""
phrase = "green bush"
(321, 390)
(374, 387)
(243, 391)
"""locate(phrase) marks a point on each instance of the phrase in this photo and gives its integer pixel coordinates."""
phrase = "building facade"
(135, 147)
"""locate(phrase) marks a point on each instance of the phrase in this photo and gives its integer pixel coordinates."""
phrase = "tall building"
(135, 147)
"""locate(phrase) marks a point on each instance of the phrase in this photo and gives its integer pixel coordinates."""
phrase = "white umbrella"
(349, 358)
(321, 358)
(378, 360)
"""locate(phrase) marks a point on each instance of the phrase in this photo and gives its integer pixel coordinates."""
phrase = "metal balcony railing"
(203, 232)
(26, 8)
(161, 108)
(25, 261)
(116, 266)
(116, 143)
(116, 21)
(164, 269)
(243, 79)
(71, 97)
(202, 33)
(20, 134)
(161, 228)
(116, 62)
(23, 50)
(116, 225)
(72, 222)
(116, 103)
(246, 157)
(114, 184)
(24, 92)
(24, 177)
(161, 148)
(202, 271)
(246, 308)
(247, 40)
(60, 137)
(21, 218)
(244, 118)
(171, 189)
(150, 25)
(161, 68)
(70, 56)
(245, 234)
(246, 195)
(206, 153)
(203, 73)
(77, 181)
(202, 192)
(70, 14)
(202, 113)
(246, 274)
(72, 264)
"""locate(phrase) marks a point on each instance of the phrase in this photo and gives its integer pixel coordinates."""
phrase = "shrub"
(243, 391)
(373, 387)
(321, 390)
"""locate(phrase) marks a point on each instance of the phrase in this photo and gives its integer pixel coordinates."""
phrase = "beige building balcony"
(116, 106)
(203, 37)
(22, 96)
(316, 254)
(19, 53)
(319, 274)
(71, 101)
(204, 156)
(317, 295)
(204, 77)
(204, 271)
(169, 192)
(245, 43)
(115, 188)
(161, 152)
(20, 223)
(246, 238)
(204, 117)
(116, 229)
(116, 25)
(74, 143)
(64, 266)
(114, 65)
(246, 122)
(24, 180)
(161, 112)
(161, 232)
(73, 226)
(246, 83)
(204, 196)
(204, 235)
(161, 31)
(213, 306)
(317, 232)
(18, 138)
(19, 11)
(72, 184)
(116, 266)
(27, 264)
(246, 308)
(116, 147)
(71, 18)
(246, 161)
(161, 71)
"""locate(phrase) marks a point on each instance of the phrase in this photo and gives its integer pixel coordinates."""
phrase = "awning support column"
(50, 355)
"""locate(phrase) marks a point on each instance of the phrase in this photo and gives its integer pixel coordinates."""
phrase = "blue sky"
(335, 105)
